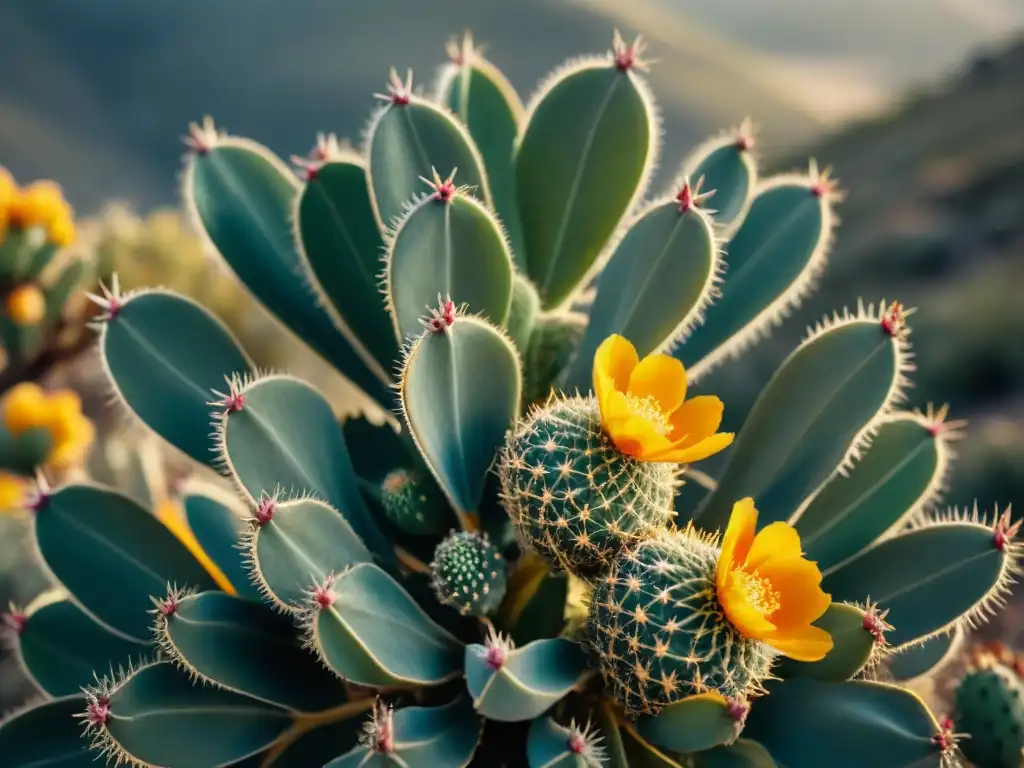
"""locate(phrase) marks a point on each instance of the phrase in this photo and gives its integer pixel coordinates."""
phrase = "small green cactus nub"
(468, 574)
(413, 503)
(660, 633)
(990, 707)
(573, 497)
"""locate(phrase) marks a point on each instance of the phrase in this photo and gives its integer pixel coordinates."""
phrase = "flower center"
(759, 592)
(649, 409)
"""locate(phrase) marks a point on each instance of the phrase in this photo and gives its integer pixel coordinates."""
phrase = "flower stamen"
(759, 591)
(649, 409)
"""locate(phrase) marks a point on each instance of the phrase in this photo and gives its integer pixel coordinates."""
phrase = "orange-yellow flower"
(170, 513)
(27, 406)
(26, 305)
(768, 591)
(644, 409)
(13, 491)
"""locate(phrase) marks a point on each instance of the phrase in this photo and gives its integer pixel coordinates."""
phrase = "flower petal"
(807, 644)
(637, 437)
(662, 378)
(798, 584)
(776, 541)
(617, 358)
(707, 447)
(747, 620)
(738, 538)
(696, 419)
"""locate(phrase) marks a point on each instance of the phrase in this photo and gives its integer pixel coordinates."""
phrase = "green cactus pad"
(286, 436)
(515, 684)
(990, 708)
(300, 542)
(439, 737)
(810, 417)
(726, 167)
(550, 745)
(316, 747)
(164, 354)
(858, 638)
(89, 539)
(638, 752)
(773, 259)
(699, 641)
(460, 392)
(369, 631)
(522, 314)
(337, 236)
(844, 725)
(414, 503)
(218, 529)
(484, 100)
(148, 713)
(449, 245)
(242, 198)
(930, 579)
(900, 472)
(246, 647)
(46, 735)
(744, 753)
(407, 139)
(693, 724)
(59, 667)
(655, 286)
(582, 161)
(553, 343)
(927, 658)
(468, 574)
(573, 496)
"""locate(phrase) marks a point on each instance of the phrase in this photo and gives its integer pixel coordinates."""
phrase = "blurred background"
(917, 104)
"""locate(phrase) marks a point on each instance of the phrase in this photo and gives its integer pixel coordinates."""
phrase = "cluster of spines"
(673, 572)
(97, 714)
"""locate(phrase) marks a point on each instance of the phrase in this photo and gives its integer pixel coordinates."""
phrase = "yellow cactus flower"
(61, 231)
(644, 408)
(23, 407)
(170, 513)
(26, 305)
(13, 492)
(38, 204)
(7, 191)
(26, 406)
(768, 591)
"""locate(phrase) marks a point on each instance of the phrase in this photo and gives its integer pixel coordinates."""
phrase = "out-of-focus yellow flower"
(7, 191)
(170, 513)
(26, 406)
(42, 204)
(13, 492)
(26, 305)
(644, 408)
(768, 591)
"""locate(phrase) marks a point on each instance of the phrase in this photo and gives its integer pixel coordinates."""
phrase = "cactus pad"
(468, 574)
(660, 633)
(572, 495)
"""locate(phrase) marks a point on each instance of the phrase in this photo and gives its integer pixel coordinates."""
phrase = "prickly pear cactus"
(518, 572)
(990, 712)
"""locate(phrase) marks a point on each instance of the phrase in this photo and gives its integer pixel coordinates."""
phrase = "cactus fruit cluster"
(525, 570)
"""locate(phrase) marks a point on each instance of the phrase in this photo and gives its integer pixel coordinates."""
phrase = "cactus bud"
(468, 574)
(413, 502)
(574, 497)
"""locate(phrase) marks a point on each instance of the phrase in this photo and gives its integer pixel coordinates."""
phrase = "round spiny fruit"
(468, 573)
(413, 503)
(573, 496)
(990, 707)
(660, 633)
